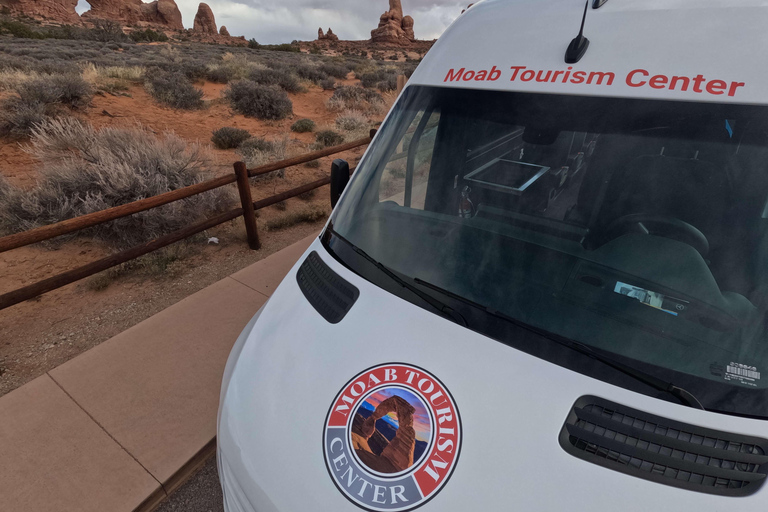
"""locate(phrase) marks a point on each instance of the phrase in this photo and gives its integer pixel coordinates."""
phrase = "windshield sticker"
(637, 78)
(654, 299)
(742, 372)
(392, 438)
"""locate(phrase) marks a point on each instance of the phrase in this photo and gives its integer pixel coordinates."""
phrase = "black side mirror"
(339, 179)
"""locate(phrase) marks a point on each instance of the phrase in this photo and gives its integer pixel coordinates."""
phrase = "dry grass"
(306, 214)
(352, 121)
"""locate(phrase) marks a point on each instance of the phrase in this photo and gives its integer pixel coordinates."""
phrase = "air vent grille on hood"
(663, 450)
(326, 290)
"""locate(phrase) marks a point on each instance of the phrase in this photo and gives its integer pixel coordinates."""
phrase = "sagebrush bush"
(148, 36)
(311, 73)
(371, 79)
(327, 138)
(253, 144)
(328, 84)
(18, 117)
(257, 151)
(303, 126)
(259, 101)
(229, 137)
(335, 70)
(388, 84)
(39, 97)
(356, 98)
(281, 78)
(69, 89)
(173, 89)
(351, 121)
(84, 170)
(231, 67)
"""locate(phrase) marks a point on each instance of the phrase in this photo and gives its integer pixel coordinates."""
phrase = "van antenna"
(579, 45)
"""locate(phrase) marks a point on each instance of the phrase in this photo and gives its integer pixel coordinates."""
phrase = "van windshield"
(635, 227)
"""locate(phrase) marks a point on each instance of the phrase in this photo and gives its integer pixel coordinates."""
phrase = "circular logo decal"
(392, 438)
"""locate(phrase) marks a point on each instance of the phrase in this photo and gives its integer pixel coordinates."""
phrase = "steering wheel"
(659, 225)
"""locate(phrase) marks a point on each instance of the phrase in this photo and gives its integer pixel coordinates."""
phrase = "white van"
(544, 288)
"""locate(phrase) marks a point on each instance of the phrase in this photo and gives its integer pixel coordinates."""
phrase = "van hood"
(293, 369)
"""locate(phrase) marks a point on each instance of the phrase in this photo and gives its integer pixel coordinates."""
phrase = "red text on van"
(699, 84)
(467, 75)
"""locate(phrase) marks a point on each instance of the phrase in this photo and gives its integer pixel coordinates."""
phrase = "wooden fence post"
(249, 214)
(401, 81)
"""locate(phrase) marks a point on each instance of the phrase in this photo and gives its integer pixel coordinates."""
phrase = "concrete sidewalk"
(121, 426)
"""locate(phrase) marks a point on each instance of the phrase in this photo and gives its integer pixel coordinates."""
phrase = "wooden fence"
(247, 211)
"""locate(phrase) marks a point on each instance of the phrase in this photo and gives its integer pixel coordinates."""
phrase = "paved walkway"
(121, 426)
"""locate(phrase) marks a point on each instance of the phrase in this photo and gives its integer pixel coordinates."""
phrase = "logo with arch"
(392, 438)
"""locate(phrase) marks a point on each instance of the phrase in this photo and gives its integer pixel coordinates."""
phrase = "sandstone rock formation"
(205, 22)
(62, 11)
(161, 13)
(399, 452)
(408, 28)
(394, 28)
(223, 31)
(328, 36)
(465, 10)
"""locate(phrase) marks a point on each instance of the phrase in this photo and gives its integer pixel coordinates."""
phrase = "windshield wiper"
(685, 397)
(439, 306)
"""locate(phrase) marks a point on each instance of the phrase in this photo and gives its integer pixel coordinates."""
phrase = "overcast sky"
(281, 21)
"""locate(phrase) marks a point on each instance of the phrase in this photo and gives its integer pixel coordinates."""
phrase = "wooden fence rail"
(247, 211)
(65, 227)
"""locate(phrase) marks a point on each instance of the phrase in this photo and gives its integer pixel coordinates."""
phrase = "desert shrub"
(86, 170)
(307, 214)
(370, 79)
(327, 138)
(257, 151)
(388, 84)
(148, 36)
(70, 90)
(253, 44)
(373, 78)
(281, 206)
(281, 78)
(18, 29)
(231, 67)
(284, 47)
(102, 30)
(352, 120)
(218, 74)
(303, 126)
(313, 164)
(356, 98)
(253, 144)
(311, 73)
(259, 101)
(229, 138)
(335, 70)
(328, 84)
(408, 70)
(18, 117)
(193, 70)
(173, 89)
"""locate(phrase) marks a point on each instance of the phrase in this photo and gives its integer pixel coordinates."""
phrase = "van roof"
(692, 50)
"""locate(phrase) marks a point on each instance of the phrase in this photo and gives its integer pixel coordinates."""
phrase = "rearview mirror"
(339, 179)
